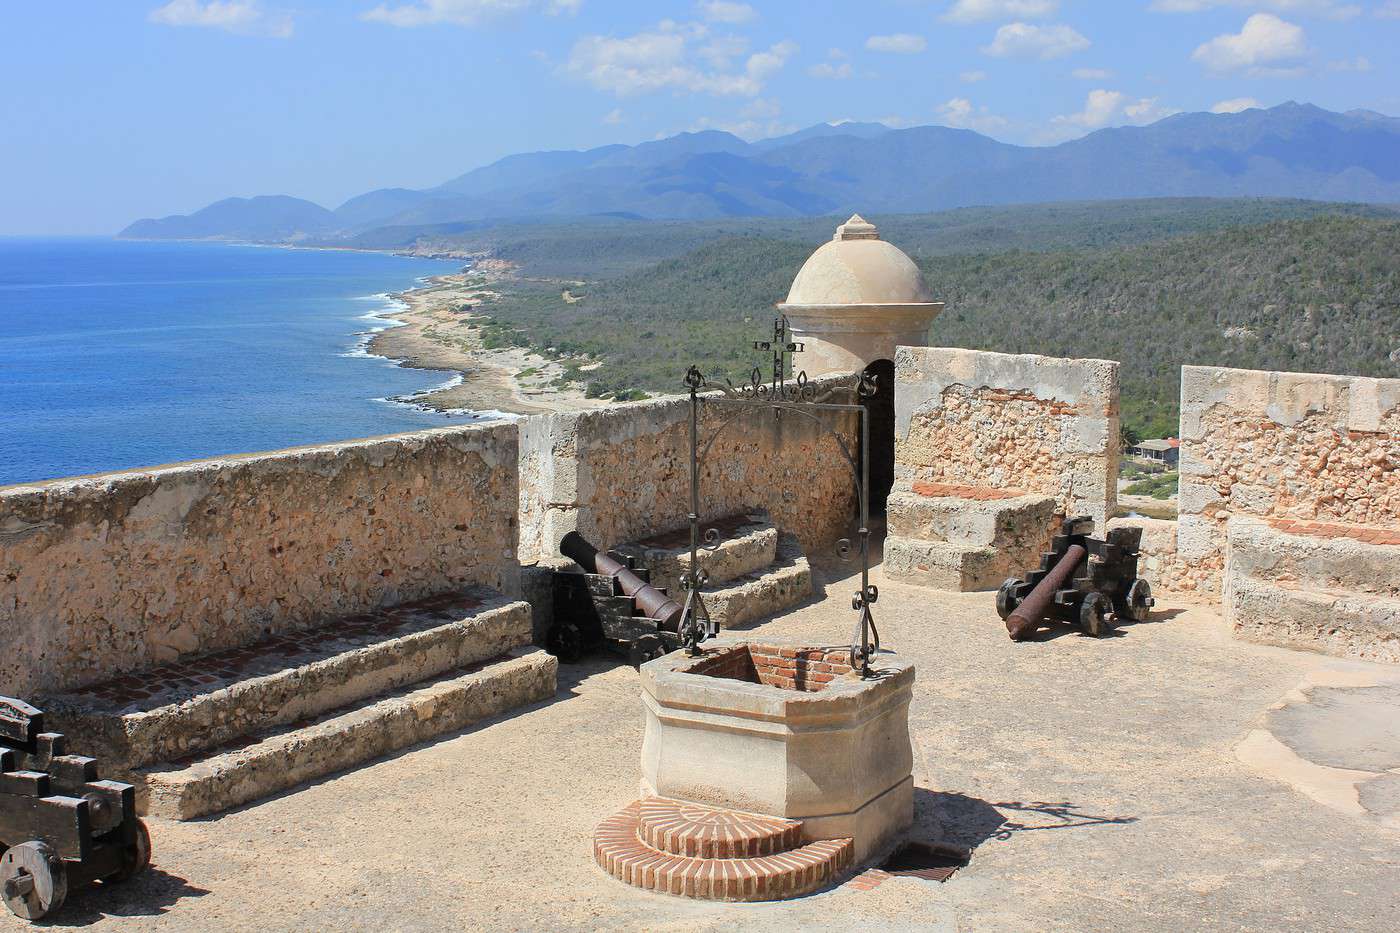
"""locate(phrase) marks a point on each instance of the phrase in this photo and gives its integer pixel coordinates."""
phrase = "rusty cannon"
(611, 604)
(1085, 581)
(60, 827)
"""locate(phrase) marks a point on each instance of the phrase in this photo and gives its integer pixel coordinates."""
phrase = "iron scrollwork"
(806, 399)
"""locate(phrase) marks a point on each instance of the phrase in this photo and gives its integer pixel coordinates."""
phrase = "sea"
(117, 354)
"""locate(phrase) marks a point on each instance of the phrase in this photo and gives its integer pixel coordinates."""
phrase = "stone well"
(787, 731)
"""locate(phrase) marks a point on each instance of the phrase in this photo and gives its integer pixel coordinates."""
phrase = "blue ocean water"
(119, 354)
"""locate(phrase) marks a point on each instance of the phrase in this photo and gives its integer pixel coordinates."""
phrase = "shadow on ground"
(149, 894)
(967, 822)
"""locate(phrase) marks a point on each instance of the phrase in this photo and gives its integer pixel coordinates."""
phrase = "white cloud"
(1359, 63)
(901, 43)
(963, 114)
(757, 120)
(1104, 108)
(972, 77)
(1092, 74)
(1235, 105)
(1388, 10)
(245, 17)
(1265, 46)
(614, 117)
(835, 71)
(723, 11)
(1022, 40)
(1330, 9)
(461, 12)
(980, 11)
(666, 58)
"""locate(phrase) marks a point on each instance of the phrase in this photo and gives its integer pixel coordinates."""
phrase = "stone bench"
(958, 537)
(1319, 586)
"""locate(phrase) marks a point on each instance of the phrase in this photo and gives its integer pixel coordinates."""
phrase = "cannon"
(60, 826)
(610, 604)
(1085, 581)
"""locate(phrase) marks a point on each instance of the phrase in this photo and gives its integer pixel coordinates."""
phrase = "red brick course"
(955, 491)
(680, 828)
(805, 669)
(1364, 533)
(619, 849)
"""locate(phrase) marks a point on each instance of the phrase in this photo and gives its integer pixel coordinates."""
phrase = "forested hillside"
(1320, 295)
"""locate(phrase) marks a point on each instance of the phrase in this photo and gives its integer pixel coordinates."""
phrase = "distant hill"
(1316, 295)
(265, 218)
(1289, 151)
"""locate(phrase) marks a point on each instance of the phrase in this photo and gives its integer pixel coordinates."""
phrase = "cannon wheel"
(565, 642)
(137, 857)
(33, 880)
(1093, 614)
(1139, 600)
(645, 649)
(1006, 597)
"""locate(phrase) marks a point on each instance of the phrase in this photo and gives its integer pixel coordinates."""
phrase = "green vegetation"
(1161, 486)
(1320, 294)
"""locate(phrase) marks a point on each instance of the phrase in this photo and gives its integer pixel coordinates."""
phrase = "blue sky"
(122, 109)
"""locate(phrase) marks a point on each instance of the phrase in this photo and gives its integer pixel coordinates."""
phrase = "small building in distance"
(1166, 450)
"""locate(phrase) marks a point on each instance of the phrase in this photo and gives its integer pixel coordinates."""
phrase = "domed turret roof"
(858, 268)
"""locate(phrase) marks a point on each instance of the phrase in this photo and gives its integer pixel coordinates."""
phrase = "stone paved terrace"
(1097, 780)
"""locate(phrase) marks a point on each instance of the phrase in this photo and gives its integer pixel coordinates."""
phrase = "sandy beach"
(437, 334)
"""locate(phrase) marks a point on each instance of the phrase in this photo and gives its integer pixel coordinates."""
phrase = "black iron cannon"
(611, 604)
(60, 826)
(1086, 581)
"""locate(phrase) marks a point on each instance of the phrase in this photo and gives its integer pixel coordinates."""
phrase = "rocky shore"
(441, 331)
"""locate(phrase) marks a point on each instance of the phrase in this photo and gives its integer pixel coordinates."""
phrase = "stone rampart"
(622, 473)
(1279, 446)
(113, 573)
(1036, 424)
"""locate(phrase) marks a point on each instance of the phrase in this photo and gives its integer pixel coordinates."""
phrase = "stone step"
(620, 850)
(747, 543)
(1341, 622)
(946, 566)
(1315, 555)
(677, 827)
(782, 584)
(204, 702)
(277, 760)
(971, 517)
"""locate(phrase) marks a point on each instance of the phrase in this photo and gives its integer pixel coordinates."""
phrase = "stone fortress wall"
(622, 473)
(104, 575)
(1278, 446)
(1035, 424)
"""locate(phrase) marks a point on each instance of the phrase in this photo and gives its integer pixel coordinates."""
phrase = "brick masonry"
(1273, 445)
(805, 669)
(1002, 421)
(958, 491)
(105, 575)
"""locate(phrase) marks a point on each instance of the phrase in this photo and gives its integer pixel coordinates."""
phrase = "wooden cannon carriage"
(60, 826)
(1082, 580)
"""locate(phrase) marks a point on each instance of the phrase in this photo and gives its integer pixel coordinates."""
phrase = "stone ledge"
(282, 760)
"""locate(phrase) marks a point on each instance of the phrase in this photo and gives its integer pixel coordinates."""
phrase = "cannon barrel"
(1026, 616)
(653, 603)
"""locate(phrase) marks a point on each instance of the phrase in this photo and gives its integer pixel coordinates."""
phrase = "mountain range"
(1292, 150)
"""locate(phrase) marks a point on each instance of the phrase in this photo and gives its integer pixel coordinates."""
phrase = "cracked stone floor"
(1168, 778)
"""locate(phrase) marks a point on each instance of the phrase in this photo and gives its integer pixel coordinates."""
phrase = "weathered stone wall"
(1160, 564)
(623, 473)
(114, 573)
(1283, 445)
(1037, 424)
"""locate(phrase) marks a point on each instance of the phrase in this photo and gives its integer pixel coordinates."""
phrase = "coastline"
(434, 332)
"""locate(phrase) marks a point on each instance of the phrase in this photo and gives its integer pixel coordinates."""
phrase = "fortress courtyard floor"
(1139, 782)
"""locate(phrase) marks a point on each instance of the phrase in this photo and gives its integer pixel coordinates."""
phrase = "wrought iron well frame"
(805, 400)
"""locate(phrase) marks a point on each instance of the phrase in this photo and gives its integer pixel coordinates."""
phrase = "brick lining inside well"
(805, 669)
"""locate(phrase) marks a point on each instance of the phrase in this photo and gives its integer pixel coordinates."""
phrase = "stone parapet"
(622, 473)
(997, 420)
(1162, 566)
(114, 573)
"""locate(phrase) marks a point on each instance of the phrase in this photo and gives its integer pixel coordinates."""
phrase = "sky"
(115, 110)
